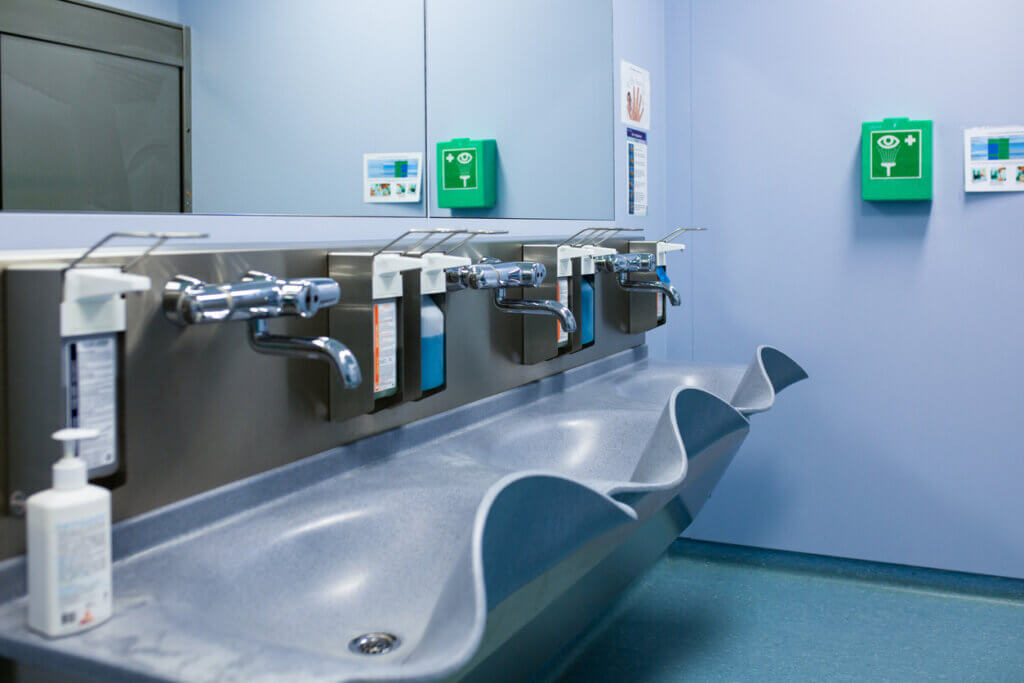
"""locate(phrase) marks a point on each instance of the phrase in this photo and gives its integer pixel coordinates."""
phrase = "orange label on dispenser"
(385, 346)
(563, 298)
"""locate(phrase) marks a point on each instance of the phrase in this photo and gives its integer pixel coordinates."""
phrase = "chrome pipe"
(537, 307)
(332, 351)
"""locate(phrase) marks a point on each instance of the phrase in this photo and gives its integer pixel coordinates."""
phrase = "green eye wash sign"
(896, 159)
(467, 173)
(460, 168)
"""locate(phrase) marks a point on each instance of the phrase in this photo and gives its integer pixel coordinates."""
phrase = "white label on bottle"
(92, 395)
(83, 572)
(563, 298)
(385, 346)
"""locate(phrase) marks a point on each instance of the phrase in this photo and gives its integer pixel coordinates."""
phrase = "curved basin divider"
(423, 543)
(770, 372)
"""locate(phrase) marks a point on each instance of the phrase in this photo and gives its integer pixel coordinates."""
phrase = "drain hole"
(374, 643)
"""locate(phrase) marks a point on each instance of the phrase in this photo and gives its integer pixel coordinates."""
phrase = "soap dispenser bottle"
(663, 276)
(431, 344)
(387, 294)
(69, 548)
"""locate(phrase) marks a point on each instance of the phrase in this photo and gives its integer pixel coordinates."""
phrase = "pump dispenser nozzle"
(71, 472)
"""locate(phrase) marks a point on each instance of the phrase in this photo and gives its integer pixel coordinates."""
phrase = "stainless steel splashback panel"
(201, 409)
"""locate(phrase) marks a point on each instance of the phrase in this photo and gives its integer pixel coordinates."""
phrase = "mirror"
(288, 96)
(267, 107)
(269, 110)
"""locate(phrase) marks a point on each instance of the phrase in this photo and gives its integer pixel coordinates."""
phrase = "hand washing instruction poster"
(636, 172)
(635, 95)
(994, 159)
(392, 177)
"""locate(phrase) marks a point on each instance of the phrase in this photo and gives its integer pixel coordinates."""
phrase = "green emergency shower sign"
(896, 159)
(466, 169)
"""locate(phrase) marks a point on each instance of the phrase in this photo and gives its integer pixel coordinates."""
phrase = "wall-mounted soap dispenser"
(572, 262)
(65, 361)
(394, 311)
(426, 325)
(651, 291)
(545, 338)
(431, 326)
(388, 288)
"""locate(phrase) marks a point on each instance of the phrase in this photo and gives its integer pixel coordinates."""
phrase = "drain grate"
(374, 643)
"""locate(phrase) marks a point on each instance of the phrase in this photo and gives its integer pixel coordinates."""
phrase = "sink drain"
(374, 643)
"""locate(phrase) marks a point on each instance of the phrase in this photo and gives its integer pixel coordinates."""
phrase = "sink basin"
(274, 577)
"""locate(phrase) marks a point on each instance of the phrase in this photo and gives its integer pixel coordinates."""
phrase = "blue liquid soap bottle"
(431, 344)
(587, 306)
(663, 276)
(433, 286)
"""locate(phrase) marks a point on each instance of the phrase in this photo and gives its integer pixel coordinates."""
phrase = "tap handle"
(302, 297)
(520, 273)
(626, 263)
(189, 301)
(494, 274)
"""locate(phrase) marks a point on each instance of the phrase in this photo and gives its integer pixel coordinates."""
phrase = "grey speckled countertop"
(419, 531)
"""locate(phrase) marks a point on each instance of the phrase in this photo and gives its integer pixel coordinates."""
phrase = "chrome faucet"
(499, 275)
(624, 264)
(257, 297)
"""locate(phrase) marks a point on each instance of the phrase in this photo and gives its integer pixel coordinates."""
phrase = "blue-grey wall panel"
(535, 75)
(288, 96)
(905, 445)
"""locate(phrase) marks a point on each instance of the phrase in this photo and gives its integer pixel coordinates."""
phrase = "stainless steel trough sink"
(421, 533)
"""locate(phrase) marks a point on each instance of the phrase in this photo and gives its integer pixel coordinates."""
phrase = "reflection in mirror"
(536, 76)
(276, 105)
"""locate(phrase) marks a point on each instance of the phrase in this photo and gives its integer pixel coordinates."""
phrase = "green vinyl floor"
(713, 612)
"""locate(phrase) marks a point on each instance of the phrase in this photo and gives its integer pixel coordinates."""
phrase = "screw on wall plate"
(17, 503)
(374, 643)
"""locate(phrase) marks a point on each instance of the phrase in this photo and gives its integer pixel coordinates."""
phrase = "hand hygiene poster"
(994, 159)
(635, 95)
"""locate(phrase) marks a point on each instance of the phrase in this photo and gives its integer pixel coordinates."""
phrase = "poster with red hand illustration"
(635, 96)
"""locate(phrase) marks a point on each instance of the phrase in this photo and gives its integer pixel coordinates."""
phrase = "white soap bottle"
(69, 552)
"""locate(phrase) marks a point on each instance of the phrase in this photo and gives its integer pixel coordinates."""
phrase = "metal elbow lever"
(326, 349)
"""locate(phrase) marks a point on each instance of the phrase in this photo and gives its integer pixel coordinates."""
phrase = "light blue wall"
(905, 445)
(640, 39)
(678, 183)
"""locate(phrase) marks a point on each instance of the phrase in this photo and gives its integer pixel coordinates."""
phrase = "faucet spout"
(313, 348)
(537, 307)
(657, 286)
